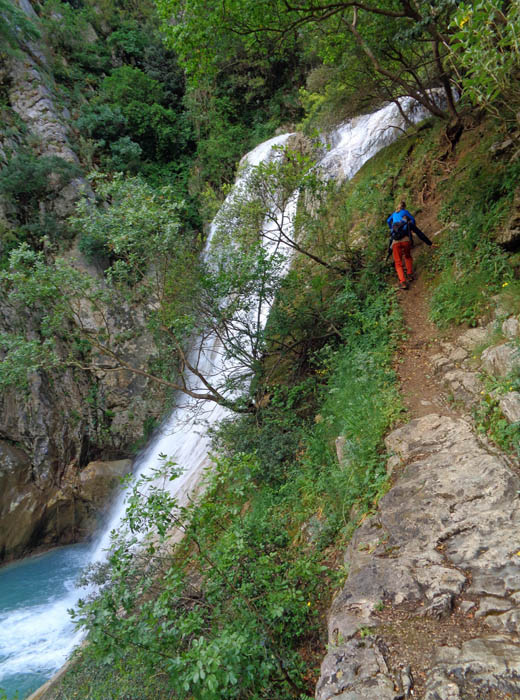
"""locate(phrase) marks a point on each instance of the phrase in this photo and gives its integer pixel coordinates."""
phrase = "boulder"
(501, 360)
(481, 668)
(21, 503)
(511, 327)
(473, 337)
(99, 479)
(37, 514)
(510, 406)
(464, 386)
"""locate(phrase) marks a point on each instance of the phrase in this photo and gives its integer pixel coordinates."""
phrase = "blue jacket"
(399, 216)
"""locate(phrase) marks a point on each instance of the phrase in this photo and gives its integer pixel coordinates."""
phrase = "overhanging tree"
(404, 42)
(155, 285)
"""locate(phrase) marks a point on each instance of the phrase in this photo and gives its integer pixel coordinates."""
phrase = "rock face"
(510, 406)
(442, 542)
(35, 513)
(50, 432)
(501, 360)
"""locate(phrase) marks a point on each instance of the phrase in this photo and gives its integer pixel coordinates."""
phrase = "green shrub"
(129, 42)
(128, 84)
(27, 181)
(470, 266)
(102, 121)
(126, 155)
(27, 178)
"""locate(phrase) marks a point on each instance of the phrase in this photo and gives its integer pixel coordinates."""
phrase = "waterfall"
(36, 638)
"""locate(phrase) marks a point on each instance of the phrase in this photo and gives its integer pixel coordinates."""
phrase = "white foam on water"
(37, 638)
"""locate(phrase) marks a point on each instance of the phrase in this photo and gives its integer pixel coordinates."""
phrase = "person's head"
(402, 205)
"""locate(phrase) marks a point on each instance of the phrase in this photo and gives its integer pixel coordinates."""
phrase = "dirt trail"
(422, 392)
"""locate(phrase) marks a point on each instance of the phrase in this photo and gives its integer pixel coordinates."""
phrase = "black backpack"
(399, 230)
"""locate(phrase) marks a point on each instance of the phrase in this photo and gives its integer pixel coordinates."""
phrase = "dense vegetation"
(251, 579)
(235, 608)
(238, 601)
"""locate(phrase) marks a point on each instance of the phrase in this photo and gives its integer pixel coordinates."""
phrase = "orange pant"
(400, 249)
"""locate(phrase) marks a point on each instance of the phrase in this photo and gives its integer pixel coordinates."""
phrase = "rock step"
(442, 547)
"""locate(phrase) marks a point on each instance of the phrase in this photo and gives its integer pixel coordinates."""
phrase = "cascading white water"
(181, 437)
(29, 630)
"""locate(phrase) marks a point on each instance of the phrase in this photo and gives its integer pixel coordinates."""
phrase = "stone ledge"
(444, 528)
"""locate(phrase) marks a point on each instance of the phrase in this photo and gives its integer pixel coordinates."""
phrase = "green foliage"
(136, 234)
(284, 204)
(102, 121)
(27, 180)
(65, 26)
(21, 357)
(239, 90)
(15, 27)
(147, 257)
(491, 421)
(126, 155)
(389, 52)
(141, 225)
(129, 84)
(29, 285)
(226, 613)
(129, 41)
(486, 54)
(360, 404)
(133, 119)
(235, 634)
(471, 266)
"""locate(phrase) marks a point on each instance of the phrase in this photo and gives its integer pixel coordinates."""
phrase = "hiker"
(401, 224)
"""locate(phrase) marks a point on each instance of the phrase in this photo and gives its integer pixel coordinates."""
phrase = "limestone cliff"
(50, 433)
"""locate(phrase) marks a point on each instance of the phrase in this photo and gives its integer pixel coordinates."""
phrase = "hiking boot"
(411, 277)
(403, 285)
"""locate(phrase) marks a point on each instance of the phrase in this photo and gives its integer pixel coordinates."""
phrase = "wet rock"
(99, 478)
(21, 503)
(61, 422)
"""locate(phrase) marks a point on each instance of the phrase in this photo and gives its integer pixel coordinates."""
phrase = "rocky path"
(431, 606)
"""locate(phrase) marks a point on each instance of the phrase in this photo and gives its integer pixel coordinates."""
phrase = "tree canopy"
(401, 45)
